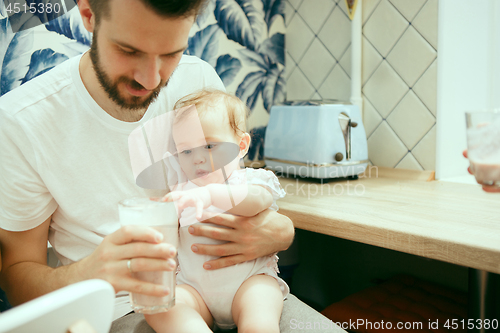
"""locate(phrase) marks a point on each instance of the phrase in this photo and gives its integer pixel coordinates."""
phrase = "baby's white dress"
(218, 287)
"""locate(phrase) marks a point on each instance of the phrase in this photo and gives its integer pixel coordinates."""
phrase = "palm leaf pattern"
(247, 22)
(274, 48)
(3, 12)
(251, 87)
(43, 61)
(71, 26)
(242, 21)
(203, 16)
(273, 91)
(272, 9)
(14, 56)
(227, 67)
(205, 44)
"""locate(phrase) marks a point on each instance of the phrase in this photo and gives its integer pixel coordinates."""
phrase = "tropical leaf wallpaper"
(245, 42)
(242, 39)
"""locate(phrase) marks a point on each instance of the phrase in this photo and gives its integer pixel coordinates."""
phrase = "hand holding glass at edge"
(483, 152)
(162, 217)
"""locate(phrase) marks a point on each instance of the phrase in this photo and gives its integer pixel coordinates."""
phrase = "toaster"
(316, 139)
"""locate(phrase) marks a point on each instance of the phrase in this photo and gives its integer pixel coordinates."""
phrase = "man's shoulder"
(193, 60)
(193, 74)
(36, 90)
(192, 65)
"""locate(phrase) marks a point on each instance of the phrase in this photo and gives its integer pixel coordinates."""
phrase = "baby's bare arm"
(249, 200)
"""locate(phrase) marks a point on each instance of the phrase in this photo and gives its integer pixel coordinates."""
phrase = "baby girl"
(210, 138)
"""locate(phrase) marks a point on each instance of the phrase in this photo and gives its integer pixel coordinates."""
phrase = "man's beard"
(111, 87)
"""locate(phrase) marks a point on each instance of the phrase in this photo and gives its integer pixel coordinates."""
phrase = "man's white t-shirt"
(61, 154)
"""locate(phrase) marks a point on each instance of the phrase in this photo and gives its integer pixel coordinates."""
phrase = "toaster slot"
(345, 126)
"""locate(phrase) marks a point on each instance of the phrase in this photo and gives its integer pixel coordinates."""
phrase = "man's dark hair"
(166, 8)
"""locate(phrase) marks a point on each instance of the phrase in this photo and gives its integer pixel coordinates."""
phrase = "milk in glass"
(160, 216)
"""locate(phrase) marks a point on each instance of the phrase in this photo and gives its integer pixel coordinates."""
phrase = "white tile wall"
(408, 8)
(411, 120)
(399, 71)
(384, 28)
(411, 56)
(317, 43)
(426, 87)
(402, 89)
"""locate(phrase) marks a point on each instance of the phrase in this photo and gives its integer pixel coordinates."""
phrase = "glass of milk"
(161, 216)
(483, 145)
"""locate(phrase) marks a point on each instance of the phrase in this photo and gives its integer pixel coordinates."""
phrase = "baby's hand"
(199, 198)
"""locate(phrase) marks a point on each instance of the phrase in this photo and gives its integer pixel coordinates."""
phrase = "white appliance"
(316, 140)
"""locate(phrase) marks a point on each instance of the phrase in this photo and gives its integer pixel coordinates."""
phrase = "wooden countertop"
(400, 210)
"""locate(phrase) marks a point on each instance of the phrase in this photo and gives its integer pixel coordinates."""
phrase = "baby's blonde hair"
(237, 111)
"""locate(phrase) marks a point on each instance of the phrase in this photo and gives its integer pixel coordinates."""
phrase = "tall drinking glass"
(161, 216)
(483, 145)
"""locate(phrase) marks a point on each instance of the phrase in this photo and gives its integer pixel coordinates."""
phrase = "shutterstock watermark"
(358, 324)
(365, 325)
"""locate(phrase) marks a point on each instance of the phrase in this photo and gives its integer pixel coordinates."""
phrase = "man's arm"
(249, 237)
(25, 275)
(24, 257)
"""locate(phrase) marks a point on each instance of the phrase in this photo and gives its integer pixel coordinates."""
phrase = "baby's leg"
(190, 314)
(257, 305)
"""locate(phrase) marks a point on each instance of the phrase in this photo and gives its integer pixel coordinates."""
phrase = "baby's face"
(205, 144)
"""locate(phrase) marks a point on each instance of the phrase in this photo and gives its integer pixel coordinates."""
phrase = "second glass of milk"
(483, 145)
